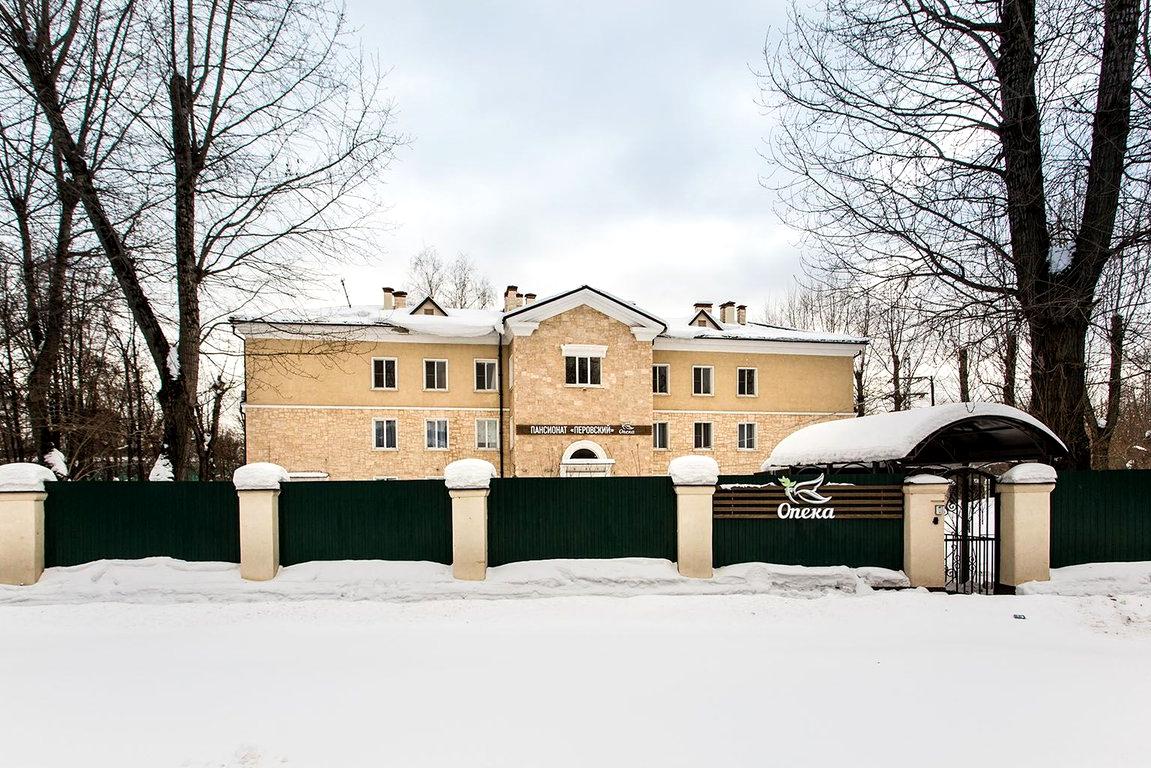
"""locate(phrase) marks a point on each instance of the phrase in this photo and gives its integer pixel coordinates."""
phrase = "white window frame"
(396, 430)
(424, 373)
(710, 436)
(395, 372)
(495, 436)
(710, 380)
(666, 436)
(739, 429)
(589, 383)
(755, 382)
(666, 378)
(495, 373)
(447, 434)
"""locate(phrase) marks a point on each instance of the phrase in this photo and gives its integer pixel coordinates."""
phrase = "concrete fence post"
(258, 487)
(695, 478)
(1025, 525)
(468, 482)
(924, 553)
(22, 498)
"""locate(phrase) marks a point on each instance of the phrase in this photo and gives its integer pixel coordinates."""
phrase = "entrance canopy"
(959, 433)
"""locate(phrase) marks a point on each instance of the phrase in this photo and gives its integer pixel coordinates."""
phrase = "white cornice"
(755, 346)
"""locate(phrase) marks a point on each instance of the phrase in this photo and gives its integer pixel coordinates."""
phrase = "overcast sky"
(560, 143)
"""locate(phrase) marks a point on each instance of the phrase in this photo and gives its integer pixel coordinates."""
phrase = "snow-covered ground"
(257, 675)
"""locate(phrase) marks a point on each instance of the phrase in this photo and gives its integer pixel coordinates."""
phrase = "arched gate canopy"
(959, 433)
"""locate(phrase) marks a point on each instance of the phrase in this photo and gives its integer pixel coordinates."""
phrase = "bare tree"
(986, 147)
(265, 131)
(455, 284)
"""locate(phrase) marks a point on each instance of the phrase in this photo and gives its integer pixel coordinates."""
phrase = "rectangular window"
(437, 431)
(383, 373)
(436, 374)
(384, 434)
(701, 376)
(748, 386)
(703, 435)
(747, 436)
(659, 435)
(487, 434)
(659, 379)
(485, 375)
(582, 371)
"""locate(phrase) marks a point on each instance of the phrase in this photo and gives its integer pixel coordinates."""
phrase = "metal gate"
(971, 532)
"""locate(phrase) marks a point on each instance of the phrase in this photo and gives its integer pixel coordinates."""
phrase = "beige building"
(581, 383)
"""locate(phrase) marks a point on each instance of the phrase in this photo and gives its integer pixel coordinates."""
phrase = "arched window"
(584, 453)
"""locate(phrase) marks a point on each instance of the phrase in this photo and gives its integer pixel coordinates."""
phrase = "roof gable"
(428, 307)
(707, 319)
(644, 326)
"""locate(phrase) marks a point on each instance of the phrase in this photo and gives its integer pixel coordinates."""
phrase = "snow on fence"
(1101, 516)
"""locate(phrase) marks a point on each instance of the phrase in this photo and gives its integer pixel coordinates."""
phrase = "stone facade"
(310, 404)
(540, 396)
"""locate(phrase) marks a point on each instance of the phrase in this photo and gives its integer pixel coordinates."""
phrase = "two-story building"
(580, 383)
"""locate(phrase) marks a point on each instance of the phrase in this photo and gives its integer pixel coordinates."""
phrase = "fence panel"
(365, 520)
(1100, 516)
(103, 519)
(543, 518)
(847, 541)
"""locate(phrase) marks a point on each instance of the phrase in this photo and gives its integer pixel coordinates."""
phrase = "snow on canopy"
(958, 432)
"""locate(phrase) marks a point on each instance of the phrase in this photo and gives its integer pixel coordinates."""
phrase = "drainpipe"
(500, 377)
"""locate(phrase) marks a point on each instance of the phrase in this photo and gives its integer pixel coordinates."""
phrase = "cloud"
(563, 143)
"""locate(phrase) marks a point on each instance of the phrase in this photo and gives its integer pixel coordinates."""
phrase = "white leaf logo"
(806, 492)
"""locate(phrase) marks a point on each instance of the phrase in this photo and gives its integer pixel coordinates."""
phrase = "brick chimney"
(401, 299)
(706, 306)
(727, 312)
(741, 314)
(389, 300)
(529, 298)
(511, 298)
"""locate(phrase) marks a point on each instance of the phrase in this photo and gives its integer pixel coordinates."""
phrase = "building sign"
(814, 499)
(583, 430)
(804, 501)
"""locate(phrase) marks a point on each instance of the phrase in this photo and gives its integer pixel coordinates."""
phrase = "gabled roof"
(644, 325)
(706, 316)
(416, 310)
(957, 433)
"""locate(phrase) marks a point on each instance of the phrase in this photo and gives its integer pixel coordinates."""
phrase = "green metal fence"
(543, 518)
(867, 542)
(104, 519)
(1100, 516)
(365, 520)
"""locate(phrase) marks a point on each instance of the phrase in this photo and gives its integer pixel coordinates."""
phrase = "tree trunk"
(1059, 381)
(964, 378)
(1101, 431)
(1010, 366)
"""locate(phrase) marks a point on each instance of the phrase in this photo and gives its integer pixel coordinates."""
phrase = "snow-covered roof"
(939, 434)
(682, 328)
(472, 323)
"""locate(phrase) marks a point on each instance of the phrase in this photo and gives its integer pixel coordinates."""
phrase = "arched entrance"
(585, 458)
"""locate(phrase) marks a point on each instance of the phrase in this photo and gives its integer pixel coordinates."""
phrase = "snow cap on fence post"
(259, 476)
(258, 486)
(1025, 525)
(22, 497)
(469, 474)
(468, 481)
(694, 470)
(695, 478)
